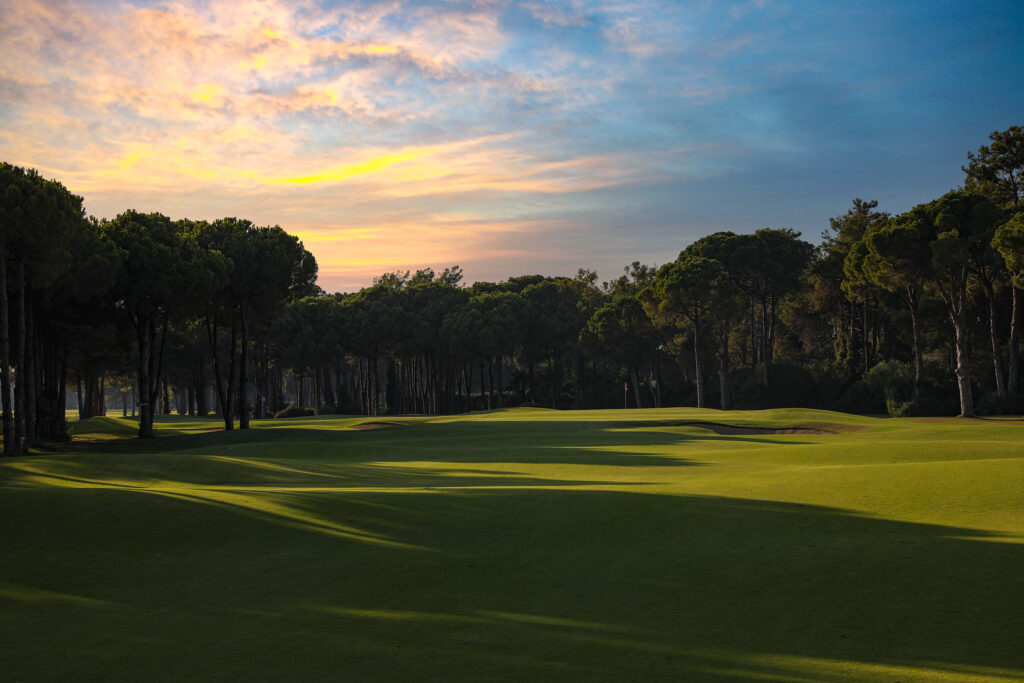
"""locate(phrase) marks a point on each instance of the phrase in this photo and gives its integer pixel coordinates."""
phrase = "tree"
(266, 268)
(1009, 242)
(554, 311)
(155, 277)
(766, 266)
(895, 255)
(956, 224)
(843, 245)
(997, 170)
(42, 222)
(693, 289)
(625, 336)
(309, 334)
(498, 336)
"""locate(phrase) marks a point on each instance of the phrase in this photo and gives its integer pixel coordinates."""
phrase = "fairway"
(524, 544)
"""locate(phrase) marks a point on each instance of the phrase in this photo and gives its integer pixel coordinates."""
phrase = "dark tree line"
(83, 301)
(900, 313)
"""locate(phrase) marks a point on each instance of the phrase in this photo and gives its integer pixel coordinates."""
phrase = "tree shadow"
(118, 437)
(265, 471)
(569, 443)
(512, 583)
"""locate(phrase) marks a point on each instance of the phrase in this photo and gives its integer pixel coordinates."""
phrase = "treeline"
(889, 313)
(82, 300)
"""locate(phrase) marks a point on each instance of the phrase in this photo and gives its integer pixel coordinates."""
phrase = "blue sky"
(509, 138)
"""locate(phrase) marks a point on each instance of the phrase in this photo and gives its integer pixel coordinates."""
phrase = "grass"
(522, 545)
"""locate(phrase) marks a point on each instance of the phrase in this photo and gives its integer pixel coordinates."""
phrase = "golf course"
(523, 544)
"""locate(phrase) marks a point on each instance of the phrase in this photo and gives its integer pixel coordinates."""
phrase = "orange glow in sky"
(508, 138)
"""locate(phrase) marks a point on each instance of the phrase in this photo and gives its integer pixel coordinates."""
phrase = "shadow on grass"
(238, 476)
(324, 452)
(118, 436)
(518, 583)
(395, 554)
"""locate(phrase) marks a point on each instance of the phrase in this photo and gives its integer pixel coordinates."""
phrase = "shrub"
(935, 396)
(889, 387)
(994, 404)
(789, 386)
(899, 408)
(895, 381)
(861, 397)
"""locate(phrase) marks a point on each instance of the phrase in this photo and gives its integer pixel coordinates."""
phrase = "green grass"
(521, 545)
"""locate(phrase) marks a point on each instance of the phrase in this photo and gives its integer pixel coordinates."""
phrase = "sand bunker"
(731, 430)
(373, 425)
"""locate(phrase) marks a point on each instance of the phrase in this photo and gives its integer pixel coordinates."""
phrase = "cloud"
(459, 125)
(574, 15)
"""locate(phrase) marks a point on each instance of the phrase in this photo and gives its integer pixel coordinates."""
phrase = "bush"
(935, 397)
(861, 397)
(889, 387)
(293, 411)
(895, 381)
(789, 386)
(994, 404)
(899, 408)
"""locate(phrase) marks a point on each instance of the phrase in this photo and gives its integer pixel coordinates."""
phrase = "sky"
(508, 138)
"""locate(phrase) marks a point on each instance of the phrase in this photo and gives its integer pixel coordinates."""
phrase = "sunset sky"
(509, 138)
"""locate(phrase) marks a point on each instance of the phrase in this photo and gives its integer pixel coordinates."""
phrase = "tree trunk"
(653, 385)
(156, 363)
(201, 407)
(486, 383)
(764, 342)
(229, 391)
(243, 372)
(316, 391)
(997, 353)
(697, 368)
(143, 328)
(864, 335)
(553, 366)
(912, 304)
(87, 402)
(501, 382)
(852, 352)
(753, 334)
(875, 344)
(963, 372)
(31, 407)
(724, 390)
(165, 398)
(275, 397)
(1013, 362)
(329, 398)
(97, 399)
(10, 447)
(225, 400)
(956, 306)
(636, 387)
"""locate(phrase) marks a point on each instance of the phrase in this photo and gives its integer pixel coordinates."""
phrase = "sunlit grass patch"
(522, 544)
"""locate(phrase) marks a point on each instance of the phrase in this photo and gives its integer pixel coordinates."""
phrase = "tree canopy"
(887, 313)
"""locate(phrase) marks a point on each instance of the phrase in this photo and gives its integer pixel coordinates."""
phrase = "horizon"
(506, 139)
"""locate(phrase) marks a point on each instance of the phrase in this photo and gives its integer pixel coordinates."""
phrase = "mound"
(373, 425)
(732, 430)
